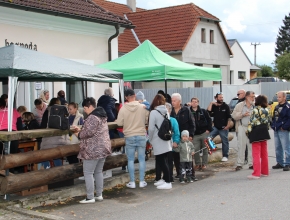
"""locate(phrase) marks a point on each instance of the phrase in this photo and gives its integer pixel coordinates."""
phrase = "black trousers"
(162, 166)
(158, 171)
(176, 159)
(72, 159)
(185, 169)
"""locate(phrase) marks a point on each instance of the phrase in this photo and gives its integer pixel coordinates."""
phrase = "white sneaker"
(142, 184)
(159, 182)
(119, 152)
(114, 154)
(165, 186)
(81, 178)
(87, 201)
(224, 159)
(131, 185)
(99, 198)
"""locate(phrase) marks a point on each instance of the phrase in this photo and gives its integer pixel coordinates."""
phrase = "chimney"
(132, 5)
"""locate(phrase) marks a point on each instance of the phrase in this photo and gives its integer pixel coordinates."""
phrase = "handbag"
(259, 133)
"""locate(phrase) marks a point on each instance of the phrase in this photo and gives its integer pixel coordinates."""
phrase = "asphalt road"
(222, 193)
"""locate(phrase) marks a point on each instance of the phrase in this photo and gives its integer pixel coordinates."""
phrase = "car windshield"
(275, 98)
(233, 103)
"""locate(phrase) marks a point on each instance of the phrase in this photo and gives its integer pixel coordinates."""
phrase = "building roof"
(116, 8)
(86, 10)
(168, 28)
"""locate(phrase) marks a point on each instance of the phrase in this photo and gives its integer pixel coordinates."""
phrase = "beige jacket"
(133, 117)
(237, 114)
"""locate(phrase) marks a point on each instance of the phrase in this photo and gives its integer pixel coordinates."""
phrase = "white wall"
(239, 63)
(206, 53)
(62, 37)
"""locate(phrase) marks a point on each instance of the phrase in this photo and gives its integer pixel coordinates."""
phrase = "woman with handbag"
(258, 135)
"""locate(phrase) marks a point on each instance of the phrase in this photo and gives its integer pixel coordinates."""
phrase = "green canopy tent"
(148, 63)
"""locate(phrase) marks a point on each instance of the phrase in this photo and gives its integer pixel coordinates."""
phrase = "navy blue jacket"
(108, 104)
(281, 117)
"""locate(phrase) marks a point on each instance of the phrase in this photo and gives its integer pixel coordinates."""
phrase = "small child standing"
(186, 151)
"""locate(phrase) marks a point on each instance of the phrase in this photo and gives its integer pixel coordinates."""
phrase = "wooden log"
(19, 182)
(217, 139)
(21, 159)
(38, 133)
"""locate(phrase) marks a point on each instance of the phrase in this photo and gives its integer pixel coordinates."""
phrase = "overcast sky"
(245, 20)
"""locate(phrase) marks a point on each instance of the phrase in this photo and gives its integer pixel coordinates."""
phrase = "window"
(203, 35)
(241, 74)
(198, 64)
(197, 84)
(211, 37)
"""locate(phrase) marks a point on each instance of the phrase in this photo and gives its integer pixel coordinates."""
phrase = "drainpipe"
(117, 27)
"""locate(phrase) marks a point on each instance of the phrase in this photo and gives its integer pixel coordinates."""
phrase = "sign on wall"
(28, 46)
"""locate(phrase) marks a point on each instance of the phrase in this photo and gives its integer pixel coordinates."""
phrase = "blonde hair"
(42, 95)
(27, 117)
(21, 109)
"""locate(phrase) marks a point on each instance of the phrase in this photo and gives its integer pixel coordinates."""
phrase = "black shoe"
(286, 168)
(277, 166)
(251, 167)
(239, 168)
(194, 178)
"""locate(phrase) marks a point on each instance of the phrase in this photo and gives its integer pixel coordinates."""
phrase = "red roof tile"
(168, 28)
(116, 8)
(78, 9)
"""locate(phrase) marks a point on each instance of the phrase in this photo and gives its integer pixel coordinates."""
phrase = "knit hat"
(140, 96)
(185, 133)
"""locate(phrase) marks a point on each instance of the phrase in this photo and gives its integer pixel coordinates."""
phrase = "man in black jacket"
(185, 122)
(203, 124)
(220, 111)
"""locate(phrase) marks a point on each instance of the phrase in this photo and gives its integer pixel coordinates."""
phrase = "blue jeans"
(136, 143)
(282, 147)
(224, 137)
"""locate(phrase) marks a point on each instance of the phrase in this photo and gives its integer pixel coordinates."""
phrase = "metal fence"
(206, 94)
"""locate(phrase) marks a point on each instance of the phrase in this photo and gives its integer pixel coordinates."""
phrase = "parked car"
(274, 101)
(257, 80)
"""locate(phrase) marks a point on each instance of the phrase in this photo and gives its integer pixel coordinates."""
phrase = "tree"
(265, 71)
(283, 38)
(283, 66)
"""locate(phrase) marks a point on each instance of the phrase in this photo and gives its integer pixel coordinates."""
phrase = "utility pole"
(255, 46)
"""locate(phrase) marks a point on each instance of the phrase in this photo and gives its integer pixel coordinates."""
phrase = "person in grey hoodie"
(161, 147)
(186, 151)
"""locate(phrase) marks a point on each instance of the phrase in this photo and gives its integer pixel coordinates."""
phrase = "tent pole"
(221, 88)
(165, 86)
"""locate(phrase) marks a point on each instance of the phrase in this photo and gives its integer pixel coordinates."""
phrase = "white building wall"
(62, 37)
(207, 53)
(239, 63)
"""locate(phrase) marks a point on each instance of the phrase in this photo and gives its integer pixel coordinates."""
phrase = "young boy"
(186, 151)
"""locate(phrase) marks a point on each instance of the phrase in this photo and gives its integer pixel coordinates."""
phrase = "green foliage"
(265, 71)
(283, 38)
(283, 66)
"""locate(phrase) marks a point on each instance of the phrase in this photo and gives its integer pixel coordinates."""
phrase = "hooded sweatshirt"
(160, 146)
(94, 137)
(133, 117)
(108, 104)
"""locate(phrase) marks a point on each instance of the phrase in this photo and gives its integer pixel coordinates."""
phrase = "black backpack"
(58, 117)
(165, 130)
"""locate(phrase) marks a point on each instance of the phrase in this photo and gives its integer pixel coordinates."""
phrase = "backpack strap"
(164, 116)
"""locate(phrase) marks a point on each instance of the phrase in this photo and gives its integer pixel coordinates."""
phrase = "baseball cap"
(129, 92)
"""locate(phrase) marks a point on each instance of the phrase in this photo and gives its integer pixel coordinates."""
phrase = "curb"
(33, 213)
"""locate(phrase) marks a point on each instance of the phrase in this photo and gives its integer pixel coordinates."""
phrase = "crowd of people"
(190, 126)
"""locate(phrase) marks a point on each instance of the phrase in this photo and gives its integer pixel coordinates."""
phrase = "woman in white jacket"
(161, 147)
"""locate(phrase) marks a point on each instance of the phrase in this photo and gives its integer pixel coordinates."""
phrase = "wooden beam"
(19, 182)
(15, 160)
(28, 134)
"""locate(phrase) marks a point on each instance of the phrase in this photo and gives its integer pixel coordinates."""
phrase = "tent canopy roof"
(30, 65)
(148, 63)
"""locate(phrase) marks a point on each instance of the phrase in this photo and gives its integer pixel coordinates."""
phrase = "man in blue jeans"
(133, 117)
(220, 112)
(281, 126)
